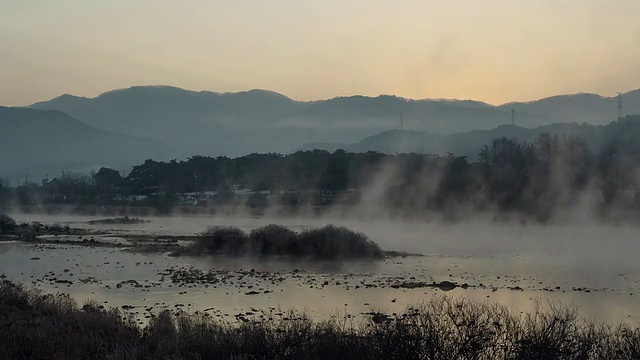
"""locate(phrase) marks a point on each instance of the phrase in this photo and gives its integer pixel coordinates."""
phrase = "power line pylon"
(619, 104)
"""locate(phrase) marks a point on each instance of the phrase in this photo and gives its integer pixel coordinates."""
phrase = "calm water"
(490, 258)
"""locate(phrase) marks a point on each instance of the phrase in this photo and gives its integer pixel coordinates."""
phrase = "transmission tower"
(513, 116)
(401, 121)
(619, 103)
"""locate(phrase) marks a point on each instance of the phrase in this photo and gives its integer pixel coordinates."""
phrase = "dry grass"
(36, 326)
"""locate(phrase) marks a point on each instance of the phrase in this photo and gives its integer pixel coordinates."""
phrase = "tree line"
(537, 178)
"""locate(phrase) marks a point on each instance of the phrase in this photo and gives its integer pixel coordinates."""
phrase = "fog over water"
(591, 266)
(320, 180)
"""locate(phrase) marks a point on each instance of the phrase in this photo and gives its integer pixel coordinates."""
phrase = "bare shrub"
(273, 240)
(327, 242)
(27, 232)
(55, 328)
(7, 224)
(336, 241)
(223, 240)
(440, 328)
(57, 228)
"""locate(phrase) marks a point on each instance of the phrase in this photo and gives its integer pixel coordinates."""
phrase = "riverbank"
(54, 326)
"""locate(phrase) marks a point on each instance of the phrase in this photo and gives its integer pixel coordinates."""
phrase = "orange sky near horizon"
(491, 50)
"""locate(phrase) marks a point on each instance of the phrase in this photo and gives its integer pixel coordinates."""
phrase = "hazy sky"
(489, 50)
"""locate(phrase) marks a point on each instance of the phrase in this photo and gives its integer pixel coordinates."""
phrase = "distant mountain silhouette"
(469, 143)
(590, 108)
(401, 141)
(193, 122)
(234, 124)
(39, 142)
(383, 112)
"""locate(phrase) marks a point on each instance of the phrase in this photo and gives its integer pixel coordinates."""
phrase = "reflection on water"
(548, 263)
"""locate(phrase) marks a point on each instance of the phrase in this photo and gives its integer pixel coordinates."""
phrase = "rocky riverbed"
(131, 267)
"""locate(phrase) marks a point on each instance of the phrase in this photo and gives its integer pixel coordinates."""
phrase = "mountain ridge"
(49, 141)
(470, 143)
(135, 87)
(237, 123)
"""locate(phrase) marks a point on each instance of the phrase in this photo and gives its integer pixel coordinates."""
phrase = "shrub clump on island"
(117, 221)
(29, 231)
(328, 242)
(54, 327)
(57, 228)
(223, 239)
(274, 240)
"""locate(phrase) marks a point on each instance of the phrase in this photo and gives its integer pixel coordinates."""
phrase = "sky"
(488, 50)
